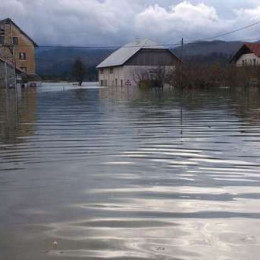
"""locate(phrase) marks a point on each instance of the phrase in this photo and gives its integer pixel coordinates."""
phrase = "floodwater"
(129, 174)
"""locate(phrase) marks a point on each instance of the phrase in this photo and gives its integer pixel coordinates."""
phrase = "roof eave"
(109, 66)
(26, 35)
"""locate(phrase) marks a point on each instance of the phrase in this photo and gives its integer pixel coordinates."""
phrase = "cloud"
(193, 21)
(183, 19)
(114, 22)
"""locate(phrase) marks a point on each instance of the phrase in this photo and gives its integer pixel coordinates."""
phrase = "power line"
(99, 47)
(171, 44)
(133, 46)
(231, 32)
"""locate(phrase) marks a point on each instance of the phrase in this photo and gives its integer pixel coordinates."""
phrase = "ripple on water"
(126, 175)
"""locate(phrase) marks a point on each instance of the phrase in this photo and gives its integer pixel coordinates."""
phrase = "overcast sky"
(115, 22)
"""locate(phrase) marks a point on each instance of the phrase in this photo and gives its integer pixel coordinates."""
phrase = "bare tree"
(79, 71)
(152, 77)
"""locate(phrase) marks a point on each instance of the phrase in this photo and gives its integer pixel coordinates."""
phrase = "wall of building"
(113, 76)
(7, 76)
(130, 75)
(25, 45)
(134, 74)
(153, 57)
(248, 59)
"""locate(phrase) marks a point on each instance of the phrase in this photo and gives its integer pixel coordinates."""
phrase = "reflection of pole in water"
(181, 115)
(181, 112)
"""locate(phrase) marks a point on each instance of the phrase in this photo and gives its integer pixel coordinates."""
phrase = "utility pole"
(7, 53)
(13, 53)
(6, 78)
(182, 47)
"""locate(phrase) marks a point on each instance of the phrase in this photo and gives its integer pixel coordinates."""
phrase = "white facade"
(129, 75)
(136, 62)
(249, 59)
(112, 76)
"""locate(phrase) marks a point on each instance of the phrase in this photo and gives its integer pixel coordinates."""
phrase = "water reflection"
(18, 114)
(132, 174)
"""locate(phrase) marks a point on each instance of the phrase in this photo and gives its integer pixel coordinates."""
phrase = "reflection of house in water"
(247, 104)
(124, 93)
(136, 62)
(17, 115)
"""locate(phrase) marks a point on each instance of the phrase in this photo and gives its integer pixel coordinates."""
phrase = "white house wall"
(106, 78)
(133, 74)
(248, 59)
(127, 75)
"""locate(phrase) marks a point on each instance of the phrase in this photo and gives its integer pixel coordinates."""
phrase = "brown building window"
(15, 40)
(2, 39)
(2, 27)
(22, 56)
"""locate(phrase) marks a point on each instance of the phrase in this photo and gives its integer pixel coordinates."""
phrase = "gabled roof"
(247, 48)
(122, 55)
(8, 20)
(254, 47)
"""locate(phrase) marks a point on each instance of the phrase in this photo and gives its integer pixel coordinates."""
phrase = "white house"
(247, 55)
(134, 62)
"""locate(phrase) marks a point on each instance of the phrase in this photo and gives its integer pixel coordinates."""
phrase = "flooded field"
(129, 174)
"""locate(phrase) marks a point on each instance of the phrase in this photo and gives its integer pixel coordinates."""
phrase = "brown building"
(17, 47)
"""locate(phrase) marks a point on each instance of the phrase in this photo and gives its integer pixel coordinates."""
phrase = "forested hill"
(57, 62)
(208, 52)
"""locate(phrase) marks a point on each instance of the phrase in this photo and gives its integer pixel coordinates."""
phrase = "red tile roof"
(254, 47)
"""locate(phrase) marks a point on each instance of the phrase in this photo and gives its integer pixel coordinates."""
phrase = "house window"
(101, 83)
(101, 71)
(22, 56)
(116, 82)
(2, 39)
(121, 83)
(15, 40)
(2, 27)
(111, 70)
(24, 69)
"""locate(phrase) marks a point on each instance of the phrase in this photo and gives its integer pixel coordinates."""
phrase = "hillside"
(56, 62)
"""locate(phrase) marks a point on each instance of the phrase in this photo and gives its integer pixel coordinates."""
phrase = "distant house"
(247, 55)
(16, 47)
(134, 62)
